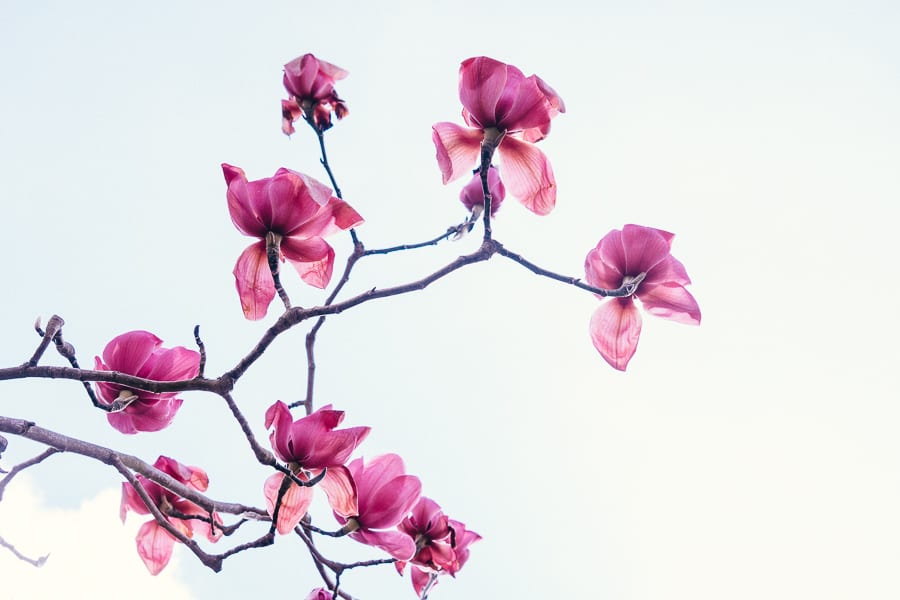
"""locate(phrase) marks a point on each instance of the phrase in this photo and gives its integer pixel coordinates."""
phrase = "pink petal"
(340, 489)
(399, 545)
(615, 329)
(173, 364)
(128, 352)
(644, 248)
(253, 280)
(140, 416)
(290, 202)
(385, 506)
(240, 207)
(131, 501)
(154, 545)
(458, 149)
(419, 579)
(312, 258)
(528, 175)
(290, 112)
(670, 301)
(482, 83)
(294, 502)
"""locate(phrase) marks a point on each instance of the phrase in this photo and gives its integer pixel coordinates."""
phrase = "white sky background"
(753, 457)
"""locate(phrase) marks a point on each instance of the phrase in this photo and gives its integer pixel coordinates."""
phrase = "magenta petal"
(240, 207)
(644, 248)
(387, 505)
(173, 364)
(482, 83)
(128, 352)
(340, 489)
(419, 579)
(670, 301)
(458, 149)
(253, 280)
(154, 415)
(154, 545)
(399, 545)
(528, 175)
(615, 329)
(312, 258)
(294, 502)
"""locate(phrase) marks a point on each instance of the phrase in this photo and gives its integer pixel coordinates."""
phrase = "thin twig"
(24, 465)
(37, 562)
(202, 348)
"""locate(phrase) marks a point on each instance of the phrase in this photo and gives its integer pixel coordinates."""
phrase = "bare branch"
(37, 562)
(24, 465)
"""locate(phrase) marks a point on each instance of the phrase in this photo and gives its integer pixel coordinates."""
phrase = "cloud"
(92, 554)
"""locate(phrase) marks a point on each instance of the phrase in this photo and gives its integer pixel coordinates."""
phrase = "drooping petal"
(294, 502)
(670, 301)
(312, 258)
(290, 112)
(340, 489)
(615, 329)
(154, 546)
(131, 501)
(458, 149)
(419, 579)
(528, 175)
(397, 544)
(253, 280)
(129, 351)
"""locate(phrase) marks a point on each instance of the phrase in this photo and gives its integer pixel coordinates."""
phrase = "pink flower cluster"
(140, 353)
(310, 84)
(376, 501)
(510, 113)
(154, 543)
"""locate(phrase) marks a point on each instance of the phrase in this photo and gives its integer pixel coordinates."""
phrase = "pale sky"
(753, 457)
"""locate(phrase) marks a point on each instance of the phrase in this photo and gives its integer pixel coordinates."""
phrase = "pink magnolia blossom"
(154, 543)
(506, 110)
(386, 494)
(310, 83)
(309, 445)
(140, 353)
(320, 594)
(619, 258)
(299, 211)
(472, 194)
(442, 544)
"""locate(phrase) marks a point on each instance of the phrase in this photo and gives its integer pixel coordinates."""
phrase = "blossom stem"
(487, 154)
(324, 160)
(273, 254)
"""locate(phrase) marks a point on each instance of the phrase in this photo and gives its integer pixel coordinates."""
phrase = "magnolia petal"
(340, 489)
(386, 505)
(154, 546)
(142, 416)
(290, 112)
(253, 280)
(644, 249)
(670, 301)
(458, 149)
(173, 364)
(419, 579)
(294, 502)
(312, 258)
(131, 501)
(399, 545)
(615, 329)
(240, 207)
(128, 352)
(528, 175)
(483, 85)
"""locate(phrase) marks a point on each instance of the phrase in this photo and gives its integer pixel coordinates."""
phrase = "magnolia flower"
(140, 353)
(386, 494)
(472, 194)
(320, 594)
(442, 544)
(509, 112)
(619, 258)
(309, 445)
(297, 211)
(310, 83)
(154, 543)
